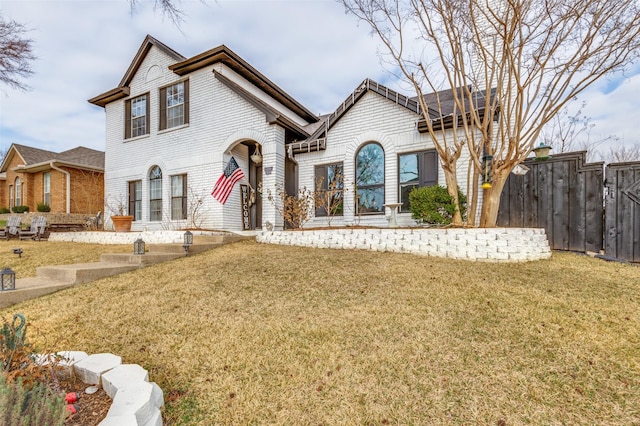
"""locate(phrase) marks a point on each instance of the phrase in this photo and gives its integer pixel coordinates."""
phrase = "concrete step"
(30, 288)
(83, 272)
(177, 249)
(140, 260)
(53, 278)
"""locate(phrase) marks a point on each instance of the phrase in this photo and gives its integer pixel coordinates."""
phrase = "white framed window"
(178, 197)
(415, 170)
(136, 116)
(18, 196)
(135, 199)
(155, 194)
(174, 105)
(46, 188)
(370, 179)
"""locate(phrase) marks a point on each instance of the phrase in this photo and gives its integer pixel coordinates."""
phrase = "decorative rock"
(63, 361)
(136, 398)
(123, 420)
(91, 368)
(157, 395)
(121, 376)
(156, 419)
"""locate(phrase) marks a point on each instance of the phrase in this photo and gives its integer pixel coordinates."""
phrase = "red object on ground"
(72, 409)
(71, 397)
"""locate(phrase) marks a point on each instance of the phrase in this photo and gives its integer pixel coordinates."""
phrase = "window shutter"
(429, 166)
(127, 119)
(184, 196)
(148, 114)
(186, 102)
(163, 108)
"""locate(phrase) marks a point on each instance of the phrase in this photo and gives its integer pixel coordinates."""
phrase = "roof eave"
(45, 165)
(222, 54)
(110, 96)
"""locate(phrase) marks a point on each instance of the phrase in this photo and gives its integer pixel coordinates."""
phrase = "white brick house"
(173, 123)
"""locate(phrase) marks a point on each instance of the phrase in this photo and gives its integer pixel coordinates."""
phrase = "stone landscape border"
(474, 244)
(135, 401)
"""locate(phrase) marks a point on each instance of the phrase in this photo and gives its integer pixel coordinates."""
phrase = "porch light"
(486, 171)
(188, 241)
(256, 157)
(7, 279)
(542, 152)
(138, 246)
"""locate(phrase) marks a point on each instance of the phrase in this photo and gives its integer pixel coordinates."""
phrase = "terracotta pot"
(122, 223)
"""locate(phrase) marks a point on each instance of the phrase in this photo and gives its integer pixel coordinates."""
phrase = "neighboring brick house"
(69, 182)
(173, 123)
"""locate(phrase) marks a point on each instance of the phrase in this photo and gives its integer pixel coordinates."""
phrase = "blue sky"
(310, 48)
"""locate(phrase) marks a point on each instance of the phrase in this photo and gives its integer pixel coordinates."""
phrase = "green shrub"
(38, 405)
(4, 210)
(42, 207)
(20, 209)
(434, 205)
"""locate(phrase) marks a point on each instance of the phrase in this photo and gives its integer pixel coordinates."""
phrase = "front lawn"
(261, 334)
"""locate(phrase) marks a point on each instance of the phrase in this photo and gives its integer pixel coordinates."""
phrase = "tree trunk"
(452, 189)
(491, 201)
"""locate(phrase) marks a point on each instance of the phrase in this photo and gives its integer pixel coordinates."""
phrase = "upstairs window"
(174, 105)
(136, 117)
(370, 179)
(416, 169)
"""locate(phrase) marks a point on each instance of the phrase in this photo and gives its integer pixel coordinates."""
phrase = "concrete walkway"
(49, 279)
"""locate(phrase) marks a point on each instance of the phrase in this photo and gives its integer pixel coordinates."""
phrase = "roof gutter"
(68, 181)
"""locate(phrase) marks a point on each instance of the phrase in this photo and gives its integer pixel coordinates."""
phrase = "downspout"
(68, 175)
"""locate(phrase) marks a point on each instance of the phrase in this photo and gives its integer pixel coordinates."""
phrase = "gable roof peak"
(144, 49)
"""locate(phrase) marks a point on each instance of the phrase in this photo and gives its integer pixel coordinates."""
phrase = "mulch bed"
(92, 409)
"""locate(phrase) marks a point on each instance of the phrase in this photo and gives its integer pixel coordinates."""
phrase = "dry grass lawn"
(261, 334)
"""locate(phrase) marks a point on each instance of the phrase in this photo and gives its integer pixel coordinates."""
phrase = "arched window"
(370, 179)
(155, 194)
(18, 187)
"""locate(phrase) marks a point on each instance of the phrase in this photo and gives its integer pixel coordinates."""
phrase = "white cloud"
(311, 49)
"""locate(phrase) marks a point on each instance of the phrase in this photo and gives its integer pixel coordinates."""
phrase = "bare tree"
(509, 65)
(621, 154)
(16, 54)
(566, 132)
(16, 50)
(167, 7)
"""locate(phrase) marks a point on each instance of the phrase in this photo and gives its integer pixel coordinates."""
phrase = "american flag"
(232, 174)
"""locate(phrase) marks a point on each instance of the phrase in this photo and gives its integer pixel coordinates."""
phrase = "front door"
(255, 177)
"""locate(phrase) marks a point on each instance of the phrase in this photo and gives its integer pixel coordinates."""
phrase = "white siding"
(372, 118)
(219, 120)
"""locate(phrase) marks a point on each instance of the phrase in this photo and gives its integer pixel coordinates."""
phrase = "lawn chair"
(12, 227)
(94, 223)
(36, 231)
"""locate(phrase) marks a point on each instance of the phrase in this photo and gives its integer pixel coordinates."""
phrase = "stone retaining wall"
(106, 237)
(486, 244)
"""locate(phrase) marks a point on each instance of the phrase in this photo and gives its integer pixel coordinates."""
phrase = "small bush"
(20, 209)
(433, 205)
(42, 207)
(38, 405)
(4, 210)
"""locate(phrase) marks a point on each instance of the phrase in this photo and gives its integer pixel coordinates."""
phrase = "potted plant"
(121, 220)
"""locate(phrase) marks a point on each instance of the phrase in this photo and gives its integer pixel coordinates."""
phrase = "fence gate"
(622, 219)
(563, 195)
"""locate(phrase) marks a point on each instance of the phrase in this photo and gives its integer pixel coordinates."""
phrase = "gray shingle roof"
(80, 156)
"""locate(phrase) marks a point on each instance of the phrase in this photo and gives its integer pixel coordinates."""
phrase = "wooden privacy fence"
(622, 207)
(565, 196)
